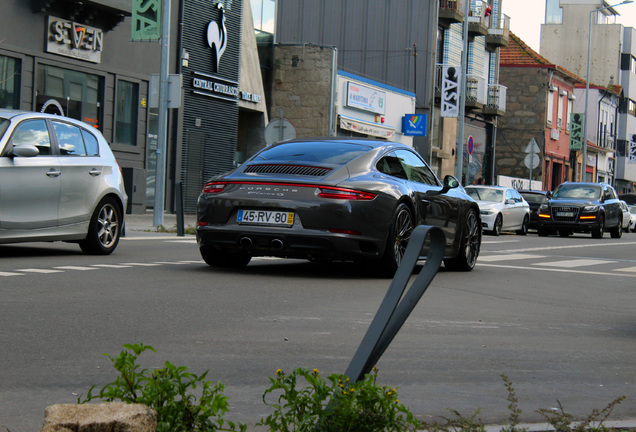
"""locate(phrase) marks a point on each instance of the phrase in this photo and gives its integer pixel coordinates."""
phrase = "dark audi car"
(327, 199)
(582, 208)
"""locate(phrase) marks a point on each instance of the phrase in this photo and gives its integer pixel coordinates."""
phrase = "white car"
(632, 217)
(501, 208)
(626, 217)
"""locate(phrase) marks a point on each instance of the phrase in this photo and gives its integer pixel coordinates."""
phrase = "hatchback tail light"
(214, 187)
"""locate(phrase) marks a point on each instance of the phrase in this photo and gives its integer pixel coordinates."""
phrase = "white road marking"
(141, 264)
(574, 263)
(587, 245)
(11, 274)
(595, 273)
(34, 270)
(506, 257)
(75, 268)
(628, 269)
(112, 265)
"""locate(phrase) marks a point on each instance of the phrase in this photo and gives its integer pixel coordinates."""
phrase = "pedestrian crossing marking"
(504, 257)
(11, 274)
(628, 269)
(43, 271)
(574, 263)
(75, 268)
(111, 265)
(141, 264)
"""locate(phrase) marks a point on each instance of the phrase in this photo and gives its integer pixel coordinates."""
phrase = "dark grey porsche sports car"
(333, 199)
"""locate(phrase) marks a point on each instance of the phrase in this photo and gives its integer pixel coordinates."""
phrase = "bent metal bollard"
(398, 305)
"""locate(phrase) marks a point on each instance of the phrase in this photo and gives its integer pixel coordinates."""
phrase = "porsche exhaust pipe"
(246, 242)
(277, 244)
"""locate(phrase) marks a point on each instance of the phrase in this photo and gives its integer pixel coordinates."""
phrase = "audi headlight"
(545, 208)
(590, 208)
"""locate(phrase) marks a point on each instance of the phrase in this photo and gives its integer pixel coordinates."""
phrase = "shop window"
(126, 113)
(9, 82)
(69, 93)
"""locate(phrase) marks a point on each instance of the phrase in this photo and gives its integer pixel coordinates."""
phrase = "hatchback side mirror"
(24, 150)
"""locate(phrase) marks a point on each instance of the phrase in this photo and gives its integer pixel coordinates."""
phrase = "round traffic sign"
(471, 145)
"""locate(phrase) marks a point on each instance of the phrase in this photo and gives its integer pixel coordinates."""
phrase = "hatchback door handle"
(53, 173)
(95, 172)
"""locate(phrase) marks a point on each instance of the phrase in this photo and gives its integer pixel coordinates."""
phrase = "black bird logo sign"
(217, 35)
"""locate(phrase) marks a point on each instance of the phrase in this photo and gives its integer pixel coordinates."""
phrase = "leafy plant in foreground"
(562, 421)
(308, 402)
(168, 391)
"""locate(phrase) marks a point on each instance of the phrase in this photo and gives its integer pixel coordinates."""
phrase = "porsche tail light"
(214, 187)
(344, 231)
(344, 194)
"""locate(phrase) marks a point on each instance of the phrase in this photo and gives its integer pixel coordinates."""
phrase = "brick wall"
(302, 87)
(524, 119)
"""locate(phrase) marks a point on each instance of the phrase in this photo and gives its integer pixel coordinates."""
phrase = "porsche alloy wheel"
(469, 247)
(401, 229)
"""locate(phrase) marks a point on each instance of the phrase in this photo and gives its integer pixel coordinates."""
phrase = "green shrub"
(307, 402)
(168, 391)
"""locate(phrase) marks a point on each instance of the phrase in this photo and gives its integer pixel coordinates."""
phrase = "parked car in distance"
(338, 198)
(582, 208)
(534, 200)
(59, 182)
(501, 208)
(626, 216)
(632, 217)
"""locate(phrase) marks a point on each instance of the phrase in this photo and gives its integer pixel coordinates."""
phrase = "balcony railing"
(475, 91)
(451, 11)
(496, 104)
(478, 22)
(499, 31)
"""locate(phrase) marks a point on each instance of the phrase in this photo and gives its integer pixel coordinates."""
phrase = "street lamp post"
(587, 82)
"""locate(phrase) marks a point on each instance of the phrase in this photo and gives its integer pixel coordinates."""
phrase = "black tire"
(496, 228)
(617, 232)
(104, 229)
(399, 235)
(219, 258)
(598, 232)
(469, 246)
(542, 232)
(524, 226)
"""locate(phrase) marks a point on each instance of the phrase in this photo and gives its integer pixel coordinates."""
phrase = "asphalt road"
(555, 315)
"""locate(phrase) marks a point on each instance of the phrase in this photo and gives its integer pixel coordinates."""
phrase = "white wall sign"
(450, 91)
(365, 98)
(518, 183)
(75, 40)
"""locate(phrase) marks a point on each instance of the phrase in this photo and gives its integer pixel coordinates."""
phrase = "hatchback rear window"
(321, 152)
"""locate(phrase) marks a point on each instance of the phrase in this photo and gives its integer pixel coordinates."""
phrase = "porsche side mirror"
(450, 182)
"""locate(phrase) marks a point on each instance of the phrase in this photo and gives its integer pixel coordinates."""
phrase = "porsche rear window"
(337, 153)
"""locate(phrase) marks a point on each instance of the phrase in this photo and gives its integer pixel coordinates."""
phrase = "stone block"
(103, 417)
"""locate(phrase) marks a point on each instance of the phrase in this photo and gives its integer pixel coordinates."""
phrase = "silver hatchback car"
(59, 181)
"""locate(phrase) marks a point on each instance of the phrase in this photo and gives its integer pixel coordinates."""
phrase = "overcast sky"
(526, 17)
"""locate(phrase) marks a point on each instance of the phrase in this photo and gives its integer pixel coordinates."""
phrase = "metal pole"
(160, 181)
(587, 97)
(462, 100)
